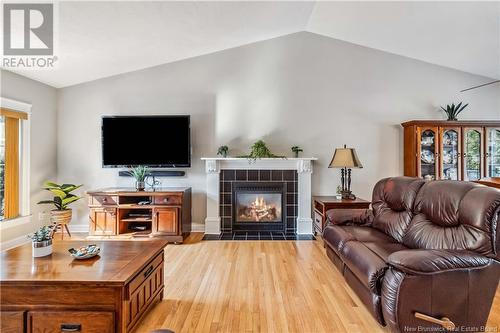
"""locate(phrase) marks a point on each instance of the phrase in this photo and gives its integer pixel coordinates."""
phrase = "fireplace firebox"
(259, 206)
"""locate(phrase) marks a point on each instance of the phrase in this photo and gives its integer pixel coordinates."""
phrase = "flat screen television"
(153, 141)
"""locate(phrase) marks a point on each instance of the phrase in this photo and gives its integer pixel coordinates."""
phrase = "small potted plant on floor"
(140, 173)
(41, 241)
(62, 198)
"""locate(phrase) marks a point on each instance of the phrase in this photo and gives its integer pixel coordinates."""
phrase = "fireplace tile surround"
(230, 178)
(253, 236)
(293, 173)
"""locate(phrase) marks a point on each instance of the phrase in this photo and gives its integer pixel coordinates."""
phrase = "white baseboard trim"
(197, 227)
(78, 228)
(304, 226)
(212, 225)
(15, 242)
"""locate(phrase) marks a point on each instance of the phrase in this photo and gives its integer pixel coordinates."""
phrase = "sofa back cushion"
(455, 215)
(392, 204)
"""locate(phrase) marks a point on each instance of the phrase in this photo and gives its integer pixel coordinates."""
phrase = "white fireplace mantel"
(303, 166)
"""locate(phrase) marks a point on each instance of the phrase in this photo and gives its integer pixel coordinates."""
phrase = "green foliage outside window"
(473, 151)
(494, 151)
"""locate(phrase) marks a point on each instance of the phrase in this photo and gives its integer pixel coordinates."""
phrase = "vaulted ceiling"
(100, 39)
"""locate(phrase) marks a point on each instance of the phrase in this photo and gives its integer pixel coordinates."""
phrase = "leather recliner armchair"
(425, 255)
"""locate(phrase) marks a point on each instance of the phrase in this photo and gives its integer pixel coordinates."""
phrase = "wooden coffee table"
(107, 293)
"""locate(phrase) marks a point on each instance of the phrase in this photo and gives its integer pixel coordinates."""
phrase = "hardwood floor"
(258, 286)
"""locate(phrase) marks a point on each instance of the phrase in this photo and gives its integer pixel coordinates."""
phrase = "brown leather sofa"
(425, 248)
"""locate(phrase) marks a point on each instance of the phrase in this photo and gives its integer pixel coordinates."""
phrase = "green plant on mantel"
(222, 151)
(296, 150)
(260, 150)
(452, 111)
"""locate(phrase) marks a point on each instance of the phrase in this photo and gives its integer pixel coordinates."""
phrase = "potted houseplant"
(452, 111)
(260, 150)
(140, 173)
(61, 215)
(222, 151)
(41, 241)
(296, 150)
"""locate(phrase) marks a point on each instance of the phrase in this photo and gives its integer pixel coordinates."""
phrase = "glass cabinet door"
(493, 152)
(428, 145)
(473, 153)
(450, 153)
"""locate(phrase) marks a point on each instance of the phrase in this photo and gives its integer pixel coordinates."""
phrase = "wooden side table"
(322, 204)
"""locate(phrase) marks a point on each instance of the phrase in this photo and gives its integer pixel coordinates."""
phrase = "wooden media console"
(162, 212)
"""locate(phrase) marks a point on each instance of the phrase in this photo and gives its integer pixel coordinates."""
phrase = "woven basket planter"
(61, 216)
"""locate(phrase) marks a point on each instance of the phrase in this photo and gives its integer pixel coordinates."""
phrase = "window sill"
(15, 222)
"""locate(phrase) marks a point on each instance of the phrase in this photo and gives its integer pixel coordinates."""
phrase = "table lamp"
(345, 159)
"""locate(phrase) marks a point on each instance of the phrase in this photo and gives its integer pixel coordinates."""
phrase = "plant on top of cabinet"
(296, 150)
(222, 151)
(452, 111)
(140, 173)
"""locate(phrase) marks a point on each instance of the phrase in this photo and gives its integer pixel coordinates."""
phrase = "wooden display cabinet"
(454, 150)
(162, 212)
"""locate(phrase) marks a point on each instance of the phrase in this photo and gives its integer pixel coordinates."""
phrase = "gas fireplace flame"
(259, 203)
(259, 210)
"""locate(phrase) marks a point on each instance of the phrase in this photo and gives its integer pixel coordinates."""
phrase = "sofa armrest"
(424, 262)
(455, 284)
(350, 216)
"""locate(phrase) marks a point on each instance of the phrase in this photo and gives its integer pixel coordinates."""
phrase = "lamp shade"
(345, 158)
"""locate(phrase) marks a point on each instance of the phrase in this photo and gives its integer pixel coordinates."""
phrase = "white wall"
(43, 141)
(301, 89)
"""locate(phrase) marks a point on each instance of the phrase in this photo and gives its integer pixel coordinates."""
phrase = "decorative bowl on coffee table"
(85, 252)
